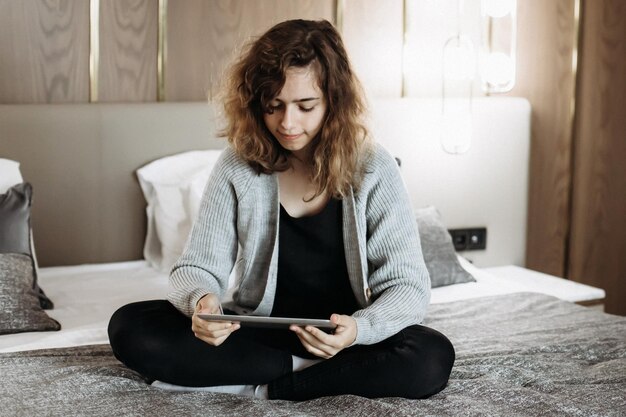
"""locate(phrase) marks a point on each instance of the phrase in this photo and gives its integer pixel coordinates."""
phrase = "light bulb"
(458, 59)
(456, 125)
(498, 8)
(498, 69)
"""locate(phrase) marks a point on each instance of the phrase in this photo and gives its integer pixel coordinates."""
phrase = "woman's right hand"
(212, 332)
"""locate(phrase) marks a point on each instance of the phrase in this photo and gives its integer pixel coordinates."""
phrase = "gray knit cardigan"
(237, 230)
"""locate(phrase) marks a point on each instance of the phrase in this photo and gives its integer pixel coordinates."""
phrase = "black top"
(312, 273)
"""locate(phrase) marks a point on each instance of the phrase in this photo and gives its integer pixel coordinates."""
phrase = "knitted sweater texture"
(237, 231)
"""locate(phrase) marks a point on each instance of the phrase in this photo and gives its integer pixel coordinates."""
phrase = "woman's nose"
(287, 122)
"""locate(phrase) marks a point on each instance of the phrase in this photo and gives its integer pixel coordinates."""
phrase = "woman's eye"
(306, 109)
(273, 107)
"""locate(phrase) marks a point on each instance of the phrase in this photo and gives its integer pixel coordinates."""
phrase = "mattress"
(86, 296)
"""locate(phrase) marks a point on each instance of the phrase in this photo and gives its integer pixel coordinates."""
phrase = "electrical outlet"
(469, 239)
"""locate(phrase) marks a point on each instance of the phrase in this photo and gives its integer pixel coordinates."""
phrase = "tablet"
(269, 322)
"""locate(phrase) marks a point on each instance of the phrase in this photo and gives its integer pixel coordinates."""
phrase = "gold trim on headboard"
(575, 59)
(339, 11)
(94, 49)
(162, 51)
(405, 33)
(572, 124)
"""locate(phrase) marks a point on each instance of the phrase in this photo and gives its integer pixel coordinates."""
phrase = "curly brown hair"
(258, 76)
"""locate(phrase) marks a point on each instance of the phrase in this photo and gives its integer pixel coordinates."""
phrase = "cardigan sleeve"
(397, 276)
(210, 252)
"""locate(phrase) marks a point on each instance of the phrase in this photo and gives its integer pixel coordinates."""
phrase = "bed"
(526, 343)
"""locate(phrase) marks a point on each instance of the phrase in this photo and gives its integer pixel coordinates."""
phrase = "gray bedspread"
(520, 354)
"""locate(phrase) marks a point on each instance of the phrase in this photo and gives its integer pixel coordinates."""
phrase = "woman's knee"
(122, 320)
(430, 362)
(128, 328)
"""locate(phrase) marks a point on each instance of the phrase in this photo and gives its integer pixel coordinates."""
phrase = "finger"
(219, 340)
(215, 339)
(322, 336)
(328, 339)
(345, 332)
(208, 309)
(314, 342)
(314, 349)
(216, 329)
(201, 324)
(340, 320)
(211, 340)
(313, 331)
(209, 304)
(221, 333)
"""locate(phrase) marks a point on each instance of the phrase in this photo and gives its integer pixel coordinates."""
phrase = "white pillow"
(173, 187)
(9, 174)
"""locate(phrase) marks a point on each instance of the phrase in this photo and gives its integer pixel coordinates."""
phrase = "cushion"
(19, 303)
(15, 219)
(9, 176)
(20, 306)
(438, 250)
(173, 187)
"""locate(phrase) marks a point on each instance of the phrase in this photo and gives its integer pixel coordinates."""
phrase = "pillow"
(9, 176)
(173, 187)
(438, 250)
(19, 296)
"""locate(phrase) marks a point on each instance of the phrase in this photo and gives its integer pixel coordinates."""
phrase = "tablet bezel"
(269, 322)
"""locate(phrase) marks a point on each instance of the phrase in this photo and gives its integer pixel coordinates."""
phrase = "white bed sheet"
(509, 279)
(486, 284)
(86, 296)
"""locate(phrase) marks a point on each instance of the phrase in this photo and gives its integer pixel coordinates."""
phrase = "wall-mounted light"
(459, 67)
(498, 45)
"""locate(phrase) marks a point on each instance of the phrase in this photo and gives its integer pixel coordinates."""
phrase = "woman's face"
(297, 112)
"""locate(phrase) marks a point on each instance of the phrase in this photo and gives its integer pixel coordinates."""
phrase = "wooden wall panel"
(128, 50)
(44, 51)
(546, 38)
(373, 33)
(598, 239)
(204, 36)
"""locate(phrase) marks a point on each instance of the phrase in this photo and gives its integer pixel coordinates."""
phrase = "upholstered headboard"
(88, 207)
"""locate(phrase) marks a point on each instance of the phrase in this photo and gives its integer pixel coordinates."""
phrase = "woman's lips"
(290, 137)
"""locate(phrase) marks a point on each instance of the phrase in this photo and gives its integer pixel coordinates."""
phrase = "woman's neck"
(302, 156)
(297, 189)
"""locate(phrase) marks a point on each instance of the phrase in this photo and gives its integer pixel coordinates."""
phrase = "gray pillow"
(20, 303)
(438, 250)
(15, 233)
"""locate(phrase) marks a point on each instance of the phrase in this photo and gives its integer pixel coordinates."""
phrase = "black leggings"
(155, 339)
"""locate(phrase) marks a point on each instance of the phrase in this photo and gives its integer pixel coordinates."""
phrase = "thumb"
(337, 319)
(209, 304)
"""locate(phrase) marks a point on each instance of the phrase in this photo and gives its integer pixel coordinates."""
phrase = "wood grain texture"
(44, 51)
(203, 37)
(373, 33)
(128, 50)
(598, 239)
(546, 37)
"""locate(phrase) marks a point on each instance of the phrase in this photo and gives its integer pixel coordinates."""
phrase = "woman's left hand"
(325, 345)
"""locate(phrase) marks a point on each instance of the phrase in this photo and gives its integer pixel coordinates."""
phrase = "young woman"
(316, 222)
